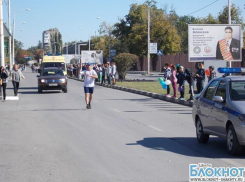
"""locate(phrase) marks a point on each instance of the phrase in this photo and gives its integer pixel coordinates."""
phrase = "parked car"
(52, 78)
(220, 110)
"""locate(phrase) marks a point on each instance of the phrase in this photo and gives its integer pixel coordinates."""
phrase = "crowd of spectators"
(106, 72)
(178, 75)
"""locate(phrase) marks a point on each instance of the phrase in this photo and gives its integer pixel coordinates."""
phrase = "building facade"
(52, 41)
(75, 48)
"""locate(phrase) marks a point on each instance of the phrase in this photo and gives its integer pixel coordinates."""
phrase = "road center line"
(155, 128)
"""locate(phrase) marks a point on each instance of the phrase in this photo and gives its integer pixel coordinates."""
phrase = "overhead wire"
(203, 7)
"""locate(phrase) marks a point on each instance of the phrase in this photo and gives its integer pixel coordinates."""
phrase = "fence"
(157, 63)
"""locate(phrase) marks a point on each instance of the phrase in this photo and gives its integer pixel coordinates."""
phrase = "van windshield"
(53, 64)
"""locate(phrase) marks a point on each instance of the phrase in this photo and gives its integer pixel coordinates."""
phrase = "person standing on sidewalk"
(103, 74)
(190, 79)
(108, 73)
(3, 76)
(212, 73)
(200, 77)
(181, 81)
(16, 75)
(174, 81)
(113, 72)
(167, 75)
(89, 77)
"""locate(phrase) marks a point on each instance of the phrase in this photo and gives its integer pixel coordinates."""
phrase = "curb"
(149, 94)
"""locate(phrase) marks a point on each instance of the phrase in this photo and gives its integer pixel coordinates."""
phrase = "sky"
(71, 15)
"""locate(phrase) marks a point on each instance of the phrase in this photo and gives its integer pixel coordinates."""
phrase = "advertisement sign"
(214, 42)
(95, 57)
(153, 48)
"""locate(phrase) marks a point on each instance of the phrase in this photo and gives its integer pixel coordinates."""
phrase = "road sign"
(113, 53)
(159, 52)
(153, 48)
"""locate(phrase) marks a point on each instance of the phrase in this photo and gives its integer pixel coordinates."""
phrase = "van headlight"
(43, 81)
(62, 80)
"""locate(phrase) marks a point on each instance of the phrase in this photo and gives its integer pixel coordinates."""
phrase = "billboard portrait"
(95, 56)
(214, 42)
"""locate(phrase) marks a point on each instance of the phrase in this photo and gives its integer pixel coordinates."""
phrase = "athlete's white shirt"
(89, 81)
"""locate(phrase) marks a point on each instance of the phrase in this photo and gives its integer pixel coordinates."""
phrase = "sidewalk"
(149, 94)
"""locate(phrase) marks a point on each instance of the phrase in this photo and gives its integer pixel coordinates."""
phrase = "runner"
(89, 77)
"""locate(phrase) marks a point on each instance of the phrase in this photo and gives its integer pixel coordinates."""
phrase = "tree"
(132, 32)
(36, 51)
(236, 17)
(124, 61)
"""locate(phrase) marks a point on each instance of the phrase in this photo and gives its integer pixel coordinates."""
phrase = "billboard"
(95, 57)
(214, 42)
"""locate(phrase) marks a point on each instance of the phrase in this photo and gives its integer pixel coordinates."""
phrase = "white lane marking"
(12, 97)
(116, 110)
(155, 128)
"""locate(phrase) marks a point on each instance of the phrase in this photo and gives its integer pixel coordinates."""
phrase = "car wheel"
(65, 90)
(39, 90)
(201, 137)
(233, 146)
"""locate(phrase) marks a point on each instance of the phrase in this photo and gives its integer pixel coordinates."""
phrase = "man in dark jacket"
(190, 79)
(3, 76)
(200, 77)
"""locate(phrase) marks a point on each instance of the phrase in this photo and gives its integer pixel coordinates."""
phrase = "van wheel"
(201, 137)
(65, 90)
(233, 146)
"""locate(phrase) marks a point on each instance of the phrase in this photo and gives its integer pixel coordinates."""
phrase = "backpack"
(168, 74)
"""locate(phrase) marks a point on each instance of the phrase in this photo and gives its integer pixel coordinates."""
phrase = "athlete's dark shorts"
(88, 90)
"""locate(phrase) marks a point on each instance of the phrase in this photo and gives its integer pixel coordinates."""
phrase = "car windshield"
(238, 90)
(57, 65)
(50, 72)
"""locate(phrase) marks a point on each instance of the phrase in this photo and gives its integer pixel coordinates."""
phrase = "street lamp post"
(67, 45)
(1, 34)
(9, 48)
(148, 42)
(229, 22)
(54, 47)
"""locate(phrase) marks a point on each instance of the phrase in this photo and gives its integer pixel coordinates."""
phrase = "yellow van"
(54, 61)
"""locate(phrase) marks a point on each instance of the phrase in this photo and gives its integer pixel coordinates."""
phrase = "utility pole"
(229, 21)
(67, 48)
(10, 47)
(109, 41)
(1, 34)
(89, 42)
(148, 42)
(13, 58)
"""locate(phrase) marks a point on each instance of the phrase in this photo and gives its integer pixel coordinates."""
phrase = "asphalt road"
(124, 137)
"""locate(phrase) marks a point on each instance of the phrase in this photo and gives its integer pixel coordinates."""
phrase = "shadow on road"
(21, 88)
(38, 110)
(215, 148)
(33, 92)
